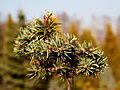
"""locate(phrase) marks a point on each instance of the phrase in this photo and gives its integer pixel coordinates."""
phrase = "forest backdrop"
(105, 35)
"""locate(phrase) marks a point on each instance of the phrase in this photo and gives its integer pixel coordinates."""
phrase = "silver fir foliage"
(50, 52)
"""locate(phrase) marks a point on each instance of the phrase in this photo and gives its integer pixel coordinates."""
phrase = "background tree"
(87, 36)
(51, 53)
(111, 49)
(21, 18)
(12, 68)
(10, 27)
(118, 29)
(73, 28)
(64, 19)
(1, 43)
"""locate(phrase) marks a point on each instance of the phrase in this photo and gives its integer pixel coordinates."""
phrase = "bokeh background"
(89, 20)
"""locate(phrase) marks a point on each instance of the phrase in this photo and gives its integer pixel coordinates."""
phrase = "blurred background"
(89, 20)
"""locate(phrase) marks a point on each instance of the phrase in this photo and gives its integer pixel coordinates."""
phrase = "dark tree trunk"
(70, 83)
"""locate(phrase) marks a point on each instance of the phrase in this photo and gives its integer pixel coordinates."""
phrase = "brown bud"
(98, 70)
(35, 70)
(17, 42)
(82, 49)
(85, 66)
(32, 51)
(45, 20)
(44, 17)
(78, 56)
(49, 69)
(31, 34)
(36, 60)
(50, 48)
(53, 69)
